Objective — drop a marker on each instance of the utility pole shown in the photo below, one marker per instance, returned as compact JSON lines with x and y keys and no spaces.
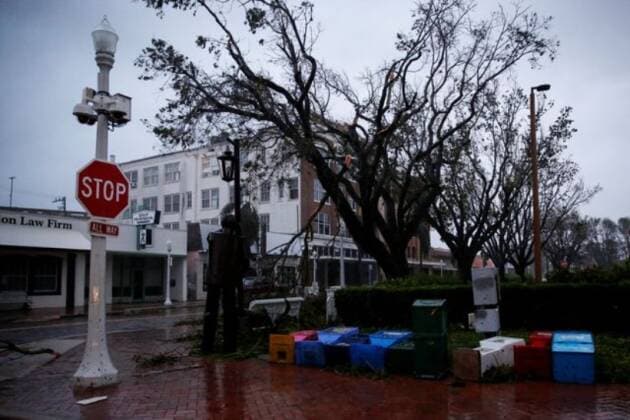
{"x":535,"y":186}
{"x":11,"y":192}
{"x":61,"y":200}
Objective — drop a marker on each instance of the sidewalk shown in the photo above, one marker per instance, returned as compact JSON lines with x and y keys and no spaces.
{"x":198,"y":388}
{"x":52,"y":314}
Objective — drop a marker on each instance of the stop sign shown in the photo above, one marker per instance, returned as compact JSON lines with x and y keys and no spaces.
{"x":102,"y":189}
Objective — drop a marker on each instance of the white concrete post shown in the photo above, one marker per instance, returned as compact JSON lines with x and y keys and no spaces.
{"x":169,"y":263}
{"x":96,"y":368}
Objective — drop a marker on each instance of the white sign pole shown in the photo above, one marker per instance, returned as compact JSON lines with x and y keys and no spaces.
{"x":96,"y":368}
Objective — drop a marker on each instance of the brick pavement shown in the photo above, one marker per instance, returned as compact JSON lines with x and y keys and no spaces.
{"x":257,"y":389}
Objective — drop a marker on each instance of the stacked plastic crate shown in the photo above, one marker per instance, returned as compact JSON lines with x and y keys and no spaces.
{"x":430,"y":329}
{"x":573,"y":355}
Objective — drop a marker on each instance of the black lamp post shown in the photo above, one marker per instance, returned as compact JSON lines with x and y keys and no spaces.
{"x":231,"y":170}
{"x":535,"y":200}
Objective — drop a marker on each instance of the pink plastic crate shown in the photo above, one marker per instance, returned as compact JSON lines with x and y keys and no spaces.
{"x":306,"y":335}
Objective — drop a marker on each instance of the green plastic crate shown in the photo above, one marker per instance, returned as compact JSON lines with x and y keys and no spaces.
{"x":431,"y":356}
{"x":399,"y":358}
{"x":429,"y":317}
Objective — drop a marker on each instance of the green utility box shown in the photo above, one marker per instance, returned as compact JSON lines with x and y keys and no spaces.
{"x":399,"y":358}
{"x":431,"y":356}
{"x":429,"y":317}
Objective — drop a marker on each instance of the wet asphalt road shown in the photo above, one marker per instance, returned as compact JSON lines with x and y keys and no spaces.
{"x":77,"y":327}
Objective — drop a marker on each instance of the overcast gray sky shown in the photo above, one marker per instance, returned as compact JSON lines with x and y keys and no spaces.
{"x":47,"y":58}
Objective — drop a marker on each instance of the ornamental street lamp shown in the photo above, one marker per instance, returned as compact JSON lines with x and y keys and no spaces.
{"x":535,"y":202}
{"x":96,"y":368}
{"x":231,"y":170}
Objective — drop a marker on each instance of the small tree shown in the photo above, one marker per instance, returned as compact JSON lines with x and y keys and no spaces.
{"x":480,"y":188}
{"x":561,"y":192}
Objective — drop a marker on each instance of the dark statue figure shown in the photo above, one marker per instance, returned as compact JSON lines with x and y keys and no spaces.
{"x":227,"y":262}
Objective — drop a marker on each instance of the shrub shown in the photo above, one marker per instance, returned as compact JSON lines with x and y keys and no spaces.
{"x":597,"y":307}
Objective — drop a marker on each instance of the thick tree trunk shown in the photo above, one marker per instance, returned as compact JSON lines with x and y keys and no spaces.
{"x":394,"y":265}
{"x":464,"y":266}
{"x":520,"y":271}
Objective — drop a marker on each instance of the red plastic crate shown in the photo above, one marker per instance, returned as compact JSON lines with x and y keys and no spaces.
{"x":540,"y":339}
{"x":532,"y":361}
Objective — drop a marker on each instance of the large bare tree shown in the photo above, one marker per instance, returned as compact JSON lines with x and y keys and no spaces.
{"x":405,"y":116}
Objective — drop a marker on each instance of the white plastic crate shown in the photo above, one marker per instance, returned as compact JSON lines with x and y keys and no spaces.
{"x":487,"y":320}
{"x":484,"y":285}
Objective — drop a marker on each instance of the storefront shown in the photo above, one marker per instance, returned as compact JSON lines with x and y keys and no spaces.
{"x":44,"y":260}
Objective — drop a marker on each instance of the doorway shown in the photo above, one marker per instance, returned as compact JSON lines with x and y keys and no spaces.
{"x":138,"y":285}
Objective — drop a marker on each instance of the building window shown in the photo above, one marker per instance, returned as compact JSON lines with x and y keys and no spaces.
{"x":205,"y":199}
{"x":189,"y":199}
{"x":132,"y":176}
{"x":150,"y":203}
{"x":214,"y":167}
{"x":322,"y":224}
{"x":294,"y":190}
{"x":265,"y":192}
{"x":214,"y":198}
{"x":150,"y":176}
{"x":171,"y":172}
{"x":280,"y":189}
{"x":38,"y":275}
{"x":131,"y":209}
{"x":171,"y":203}
{"x":264,"y":220}
{"x":209,"y":166}
{"x":172,"y":226}
{"x":205,"y":221}
{"x":214,"y":221}
{"x":318,"y":191}
{"x":205,"y":166}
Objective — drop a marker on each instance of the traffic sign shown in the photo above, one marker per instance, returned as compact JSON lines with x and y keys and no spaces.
{"x":99,"y":228}
{"x":102,"y":189}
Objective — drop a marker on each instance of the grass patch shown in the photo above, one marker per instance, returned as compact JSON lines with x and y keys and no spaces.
{"x":193,"y":322}
{"x":612,"y":358}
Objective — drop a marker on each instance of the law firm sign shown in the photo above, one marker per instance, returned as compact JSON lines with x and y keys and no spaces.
{"x":102,"y":189}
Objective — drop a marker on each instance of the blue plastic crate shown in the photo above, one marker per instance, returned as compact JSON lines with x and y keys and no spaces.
{"x":572,"y":337}
{"x":368,"y":356}
{"x":338,"y":353}
{"x":573,"y":362}
{"x":334,"y":334}
{"x":389,"y":338}
{"x":310,"y":353}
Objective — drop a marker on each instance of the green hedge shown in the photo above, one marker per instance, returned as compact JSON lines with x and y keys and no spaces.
{"x":597,"y":307}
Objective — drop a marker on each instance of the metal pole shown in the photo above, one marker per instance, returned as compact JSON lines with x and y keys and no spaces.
{"x":536,"y":208}
{"x":342,"y":263}
{"x":237,"y":183}
{"x":11,"y":192}
{"x":96,"y":368}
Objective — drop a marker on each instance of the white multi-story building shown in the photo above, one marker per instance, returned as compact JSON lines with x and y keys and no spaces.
{"x":186,"y":187}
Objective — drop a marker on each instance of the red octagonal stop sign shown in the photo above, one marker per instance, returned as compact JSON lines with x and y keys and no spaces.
{"x":102,"y":189}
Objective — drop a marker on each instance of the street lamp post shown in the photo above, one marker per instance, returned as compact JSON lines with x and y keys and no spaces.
{"x":11,"y":192}
{"x":169,"y":263}
{"x":96,"y":368}
{"x":231,"y":170}
{"x":314,"y":283}
{"x":535,"y":199}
